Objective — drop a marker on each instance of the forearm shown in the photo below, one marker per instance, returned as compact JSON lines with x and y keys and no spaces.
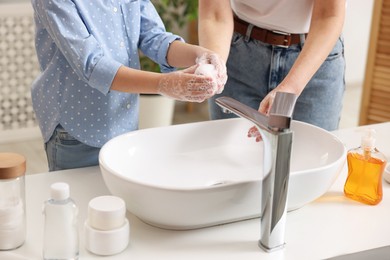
{"x":181,"y":85}
{"x":136,"y":81}
{"x":181,"y":55}
{"x":215,"y":28}
{"x":325,"y":29}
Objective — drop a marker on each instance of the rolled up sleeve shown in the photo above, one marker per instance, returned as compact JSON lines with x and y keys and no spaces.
{"x":103,"y":74}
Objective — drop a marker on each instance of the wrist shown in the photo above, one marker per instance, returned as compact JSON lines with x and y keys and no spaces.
{"x":291,"y":86}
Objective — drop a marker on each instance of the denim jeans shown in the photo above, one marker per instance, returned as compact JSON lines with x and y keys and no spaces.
{"x":65,"y":152}
{"x":255,"y":68}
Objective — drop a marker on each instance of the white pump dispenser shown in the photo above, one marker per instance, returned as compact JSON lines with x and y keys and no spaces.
{"x":368,"y":139}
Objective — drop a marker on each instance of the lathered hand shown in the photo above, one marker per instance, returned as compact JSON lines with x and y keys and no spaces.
{"x":184,"y":85}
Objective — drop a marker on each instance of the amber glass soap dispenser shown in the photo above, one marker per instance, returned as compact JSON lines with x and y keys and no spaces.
{"x":365,"y":168}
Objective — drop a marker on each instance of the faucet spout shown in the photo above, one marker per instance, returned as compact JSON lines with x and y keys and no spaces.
{"x":277,"y":140}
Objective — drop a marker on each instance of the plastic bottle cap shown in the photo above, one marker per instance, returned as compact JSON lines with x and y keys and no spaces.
{"x":12,"y":165}
{"x":59,"y":191}
{"x":106,"y":212}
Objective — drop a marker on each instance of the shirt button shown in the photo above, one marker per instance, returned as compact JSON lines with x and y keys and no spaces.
{"x":115,"y":9}
{"x":128,"y":106}
{"x":122,"y":44}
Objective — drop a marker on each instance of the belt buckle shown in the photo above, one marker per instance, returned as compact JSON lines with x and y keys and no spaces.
{"x":285,"y":39}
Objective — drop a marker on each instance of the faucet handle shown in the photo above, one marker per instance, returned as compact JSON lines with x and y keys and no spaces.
{"x":281,"y":111}
{"x":283,"y":104}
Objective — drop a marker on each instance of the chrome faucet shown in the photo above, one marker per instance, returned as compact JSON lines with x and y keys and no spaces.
{"x":277,"y":138}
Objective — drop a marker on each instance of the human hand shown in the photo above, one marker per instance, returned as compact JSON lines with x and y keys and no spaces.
{"x":219,"y":68}
{"x":254,"y":132}
{"x":184,"y":85}
{"x":264,"y":108}
{"x":266,"y":103}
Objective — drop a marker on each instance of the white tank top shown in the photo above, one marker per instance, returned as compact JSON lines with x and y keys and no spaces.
{"x":292,"y":16}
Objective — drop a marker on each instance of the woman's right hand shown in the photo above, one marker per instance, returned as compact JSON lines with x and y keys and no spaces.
{"x":184,"y":85}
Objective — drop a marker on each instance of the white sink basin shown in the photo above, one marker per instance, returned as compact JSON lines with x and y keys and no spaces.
{"x":202,"y":174}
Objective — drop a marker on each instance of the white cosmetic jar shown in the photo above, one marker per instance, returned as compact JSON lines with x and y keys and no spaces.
{"x":106,"y":230}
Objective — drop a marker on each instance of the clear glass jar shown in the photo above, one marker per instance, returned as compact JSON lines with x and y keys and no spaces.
{"x":12,"y":201}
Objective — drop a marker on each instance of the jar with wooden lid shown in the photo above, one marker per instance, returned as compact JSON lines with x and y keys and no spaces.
{"x":12,"y":201}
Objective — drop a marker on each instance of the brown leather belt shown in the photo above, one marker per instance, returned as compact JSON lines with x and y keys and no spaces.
{"x":277,"y":38}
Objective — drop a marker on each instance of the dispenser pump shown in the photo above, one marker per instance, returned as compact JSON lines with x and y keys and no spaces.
{"x":368,"y":139}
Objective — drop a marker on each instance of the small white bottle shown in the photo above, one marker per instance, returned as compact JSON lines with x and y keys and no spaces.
{"x":61,"y":240}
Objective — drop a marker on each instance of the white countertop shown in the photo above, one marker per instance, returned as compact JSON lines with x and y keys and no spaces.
{"x":332,"y":225}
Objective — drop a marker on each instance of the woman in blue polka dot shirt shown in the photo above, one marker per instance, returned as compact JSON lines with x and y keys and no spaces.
{"x":88,"y":89}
